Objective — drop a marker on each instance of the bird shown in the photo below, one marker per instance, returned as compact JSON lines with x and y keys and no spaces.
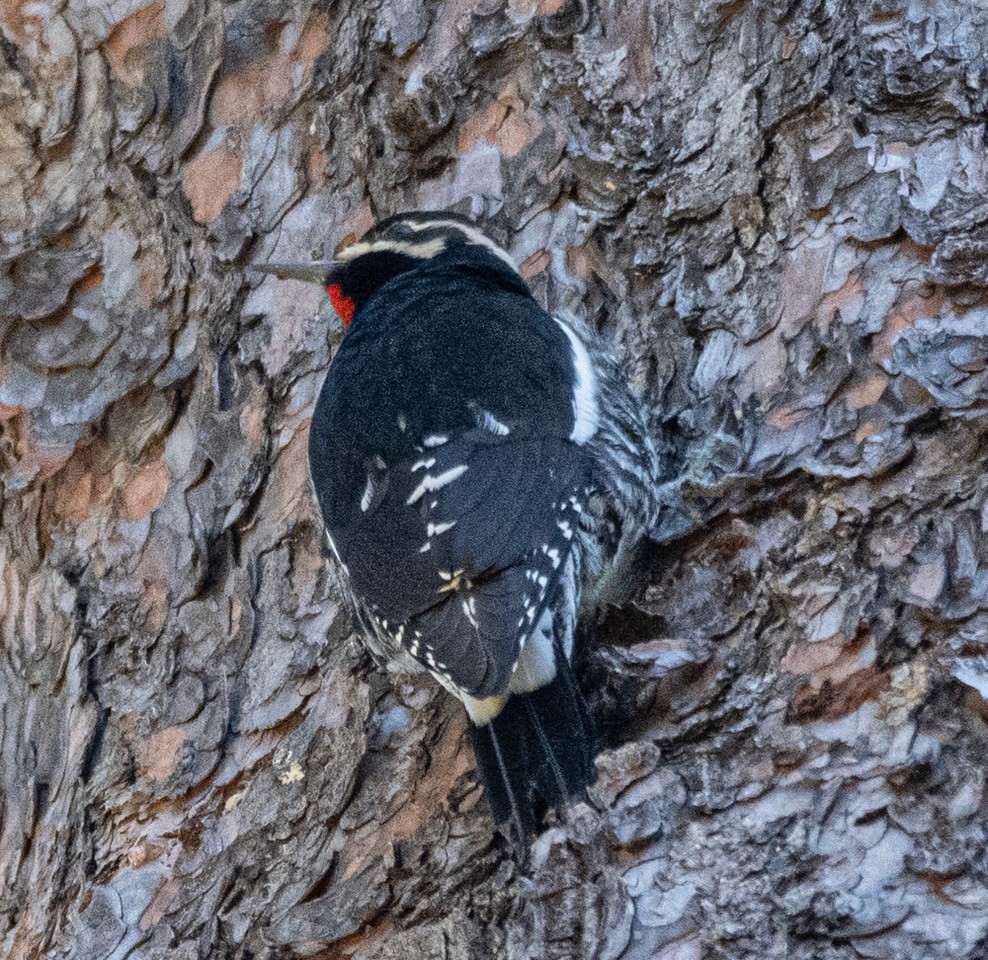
{"x":484,"y":472}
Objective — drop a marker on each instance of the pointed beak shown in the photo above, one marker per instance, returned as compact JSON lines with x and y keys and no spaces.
{"x":321,"y":273}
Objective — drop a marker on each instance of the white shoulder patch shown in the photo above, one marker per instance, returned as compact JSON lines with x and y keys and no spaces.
{"x":586,"y":415}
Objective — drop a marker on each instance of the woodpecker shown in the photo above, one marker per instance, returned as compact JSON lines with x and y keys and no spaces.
{"x":484,"y":471}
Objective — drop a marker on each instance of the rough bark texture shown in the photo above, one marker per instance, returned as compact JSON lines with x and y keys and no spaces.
{"x":776,"y":209}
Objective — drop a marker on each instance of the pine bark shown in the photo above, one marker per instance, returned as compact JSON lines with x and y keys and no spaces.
{"x":776,"y":212}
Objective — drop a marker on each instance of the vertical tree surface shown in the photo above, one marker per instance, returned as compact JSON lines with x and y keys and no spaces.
{"x":776,"y":210}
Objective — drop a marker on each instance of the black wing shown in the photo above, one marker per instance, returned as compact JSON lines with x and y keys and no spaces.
{"x":441,"y":456}
{"x":463,"y":550}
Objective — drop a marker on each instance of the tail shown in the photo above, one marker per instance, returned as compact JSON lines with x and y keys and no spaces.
{"x":538,"y":751}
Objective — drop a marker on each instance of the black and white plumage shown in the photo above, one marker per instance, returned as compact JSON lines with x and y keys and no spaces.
{"x":480,"y":466}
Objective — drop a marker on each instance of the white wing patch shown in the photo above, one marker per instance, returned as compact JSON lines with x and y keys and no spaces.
{"x":430,"y":482}
{"x":365,"y":500}
{"x":489,"y":422}
{"x":470,"y":612}
{"x":586,"y":415}
{"x":336,"y":553}
{"x":433,"y":528}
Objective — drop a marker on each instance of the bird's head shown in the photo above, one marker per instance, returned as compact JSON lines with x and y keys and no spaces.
{"x":398,"y":245}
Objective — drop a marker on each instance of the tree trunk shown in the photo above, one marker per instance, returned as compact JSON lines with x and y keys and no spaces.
{"x":777,"y":212}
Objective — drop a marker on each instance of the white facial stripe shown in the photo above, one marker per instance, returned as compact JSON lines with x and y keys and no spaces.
{"x":586,"y":416}
{"x":472,"y":235}
{"x":422,"y":251}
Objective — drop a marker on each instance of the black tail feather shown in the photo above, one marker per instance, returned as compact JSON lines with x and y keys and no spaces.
{"x":537,"y":752}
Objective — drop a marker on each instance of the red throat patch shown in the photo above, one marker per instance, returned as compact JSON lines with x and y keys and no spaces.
{"x":344,"y":306}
